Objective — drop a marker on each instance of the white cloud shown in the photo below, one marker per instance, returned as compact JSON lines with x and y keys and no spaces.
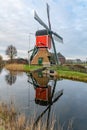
{"x":68,"y":19}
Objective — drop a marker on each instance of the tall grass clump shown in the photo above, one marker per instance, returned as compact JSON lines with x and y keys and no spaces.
{"x":15,"y":67}
{"x":11,"y":120}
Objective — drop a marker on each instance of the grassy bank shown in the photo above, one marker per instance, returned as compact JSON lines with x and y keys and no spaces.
{"x":31,"y":68}
{"x":21,"y":67}
{"x":69,"y":72}
{"x":72,"y":75}
{"x":66,"y":72}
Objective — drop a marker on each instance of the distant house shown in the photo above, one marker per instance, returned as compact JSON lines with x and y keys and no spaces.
{"x":61,"y":58}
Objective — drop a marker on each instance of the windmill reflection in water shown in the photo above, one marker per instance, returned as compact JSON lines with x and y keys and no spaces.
{"x":45,"y":94}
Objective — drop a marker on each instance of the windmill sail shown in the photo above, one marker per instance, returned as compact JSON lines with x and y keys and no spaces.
{"x":40,"y":21}
{"x":56,"y":58}
{"x":48,"y":15}
{"x":57,"y":37}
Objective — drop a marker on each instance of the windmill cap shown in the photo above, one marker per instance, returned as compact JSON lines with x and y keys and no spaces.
{"x":42,"y":32}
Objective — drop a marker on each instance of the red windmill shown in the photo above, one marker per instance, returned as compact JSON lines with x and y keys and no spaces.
{"x":44,"y":38}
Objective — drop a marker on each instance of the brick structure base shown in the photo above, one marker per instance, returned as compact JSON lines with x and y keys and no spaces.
{"x":42,"y":54}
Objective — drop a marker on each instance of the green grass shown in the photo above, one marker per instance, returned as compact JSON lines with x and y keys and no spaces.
{"x":65,"y":72}
{"x":31,"y":67}
{"x":74,"y":72}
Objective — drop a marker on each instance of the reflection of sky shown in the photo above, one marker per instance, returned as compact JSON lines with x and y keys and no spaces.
{"x":72,"y":104}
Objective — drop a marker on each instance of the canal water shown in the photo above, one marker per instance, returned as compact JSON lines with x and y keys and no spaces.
{"x":46,"y":97}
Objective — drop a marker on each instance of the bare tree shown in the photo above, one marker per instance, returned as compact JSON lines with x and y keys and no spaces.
{"x":0,"y":59}
{"x":11,"y":51}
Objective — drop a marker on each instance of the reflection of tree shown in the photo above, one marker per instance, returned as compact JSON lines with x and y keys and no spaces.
{"x":1,"y":69}
{"x":1,"y":63}
{"x":10,"y":78}
{"x":52,"y":96}
{"x":1,"y":59}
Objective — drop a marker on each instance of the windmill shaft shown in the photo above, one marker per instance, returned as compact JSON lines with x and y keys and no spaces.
{"x":55,"y":50}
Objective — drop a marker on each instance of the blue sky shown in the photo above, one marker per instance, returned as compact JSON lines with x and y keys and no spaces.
{"x":68,"y":19}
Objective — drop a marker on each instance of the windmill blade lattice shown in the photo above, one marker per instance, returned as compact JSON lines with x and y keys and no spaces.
{"x":40,"y":21}
{"x":57,"y":37}
{"x":48,"y":15}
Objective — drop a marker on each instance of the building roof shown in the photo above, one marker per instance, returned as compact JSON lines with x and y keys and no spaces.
{"x":60,"y":55}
